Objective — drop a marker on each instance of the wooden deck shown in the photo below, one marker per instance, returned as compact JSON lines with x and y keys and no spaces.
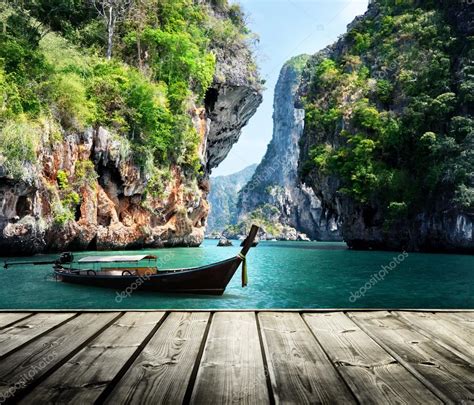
{"x":237,"y":357}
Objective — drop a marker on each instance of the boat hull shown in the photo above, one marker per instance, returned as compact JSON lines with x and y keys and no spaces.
{"x":210,"y":280}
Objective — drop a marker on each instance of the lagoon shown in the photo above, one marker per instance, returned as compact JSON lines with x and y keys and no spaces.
{"x":281,"y":275}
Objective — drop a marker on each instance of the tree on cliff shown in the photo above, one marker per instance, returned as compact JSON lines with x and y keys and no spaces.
{"x":389,"y":125}
{"x":112,"y":11}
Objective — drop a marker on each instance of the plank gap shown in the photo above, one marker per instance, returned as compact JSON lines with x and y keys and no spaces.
{"x":194,"y":372}
{"x":444,"y":398}
{"x":444,"y":341}
{"x":13,"y":322}
{"x":266,"y":366}
{"x":21,"y":393}
{"x":231,"y":368}
{"x":38,"y":336}
{"x":329,"y":359}
{"x":110,"y":387}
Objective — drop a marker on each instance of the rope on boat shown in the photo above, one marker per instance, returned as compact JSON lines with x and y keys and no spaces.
{"x":244,"y":270}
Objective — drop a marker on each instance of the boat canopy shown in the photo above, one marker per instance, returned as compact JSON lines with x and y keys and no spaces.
{"x":115,"y":259}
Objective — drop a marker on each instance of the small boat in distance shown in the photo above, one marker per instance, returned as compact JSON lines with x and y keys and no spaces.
{"x":141,"y":271}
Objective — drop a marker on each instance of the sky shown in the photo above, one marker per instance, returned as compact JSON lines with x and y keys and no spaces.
{"x":286,"y":28}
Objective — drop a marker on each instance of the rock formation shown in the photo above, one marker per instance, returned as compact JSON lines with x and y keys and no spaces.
{"x":396,"y":88}
{"x":275,"y":183}
{"x":113,"y":209}
{"x":223,"y":198}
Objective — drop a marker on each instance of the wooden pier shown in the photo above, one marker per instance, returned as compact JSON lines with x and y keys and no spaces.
{"x":237,"y":357}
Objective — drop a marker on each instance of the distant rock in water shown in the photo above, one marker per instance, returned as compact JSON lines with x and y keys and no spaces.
{"x":275,"y":198}
{"x":223,"y":242}
{"x":388,"y":145}
{"x":303,"y":238}
{"x":223,"y":197}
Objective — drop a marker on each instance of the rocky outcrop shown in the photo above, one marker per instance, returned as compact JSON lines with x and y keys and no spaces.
{"x":86,"y":192}
{"x":223,"y":242}
{"x":439,"y":222}
{"x":270,"y":229}
{"x":232,"y":100}
{"x":276,"y":182}
{"x":228,"y":109}
{"x":113,"y":211}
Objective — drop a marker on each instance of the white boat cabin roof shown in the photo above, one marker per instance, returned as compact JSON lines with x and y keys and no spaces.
{"x":115,"y":259}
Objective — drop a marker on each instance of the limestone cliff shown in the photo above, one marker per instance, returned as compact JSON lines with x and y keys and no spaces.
{"x":388,"y":140}
{"x":275,"y":183}
{"x":94,"y":172}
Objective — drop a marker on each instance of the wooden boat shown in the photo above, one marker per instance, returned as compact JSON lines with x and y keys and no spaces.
{"x":141,"y":273}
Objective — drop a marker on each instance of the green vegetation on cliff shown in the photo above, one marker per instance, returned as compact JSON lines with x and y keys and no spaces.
{"x":55,"y":77}
{"x":390,"y":112}
{"x":265,"y":216}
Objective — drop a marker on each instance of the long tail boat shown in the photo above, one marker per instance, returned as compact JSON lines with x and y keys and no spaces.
{"x":141,"y":272}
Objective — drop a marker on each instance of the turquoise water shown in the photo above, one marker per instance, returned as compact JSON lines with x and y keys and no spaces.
{"x":281,"y":275}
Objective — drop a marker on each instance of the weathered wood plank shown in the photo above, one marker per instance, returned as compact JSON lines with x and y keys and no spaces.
{"x":161,"y":373}
{"x":373,"y":375}
{"x":448,"y":333}
{"x":447,"y":375}
{"x":232,"y":369}
{"x":83,"y":378}
{"x":466,"y":318}
{"x":6,"y":319}
{"x":22,"y":368}
{"x":468,"y":315}
{"x":26,"y":330}
{"x":299,"y":370}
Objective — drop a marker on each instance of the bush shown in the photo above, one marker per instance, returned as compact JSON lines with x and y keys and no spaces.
{"x":178,"y":61}
{"x":321,"y":155}
{"x":327,"y":73}
{"x":157,"y":182}
{"x":12,"y":104}
{"x":465,"y":197}
{"x":134,"y":107}
{"x":384,"y":91}
{"x":64,"y":208}
{"x":19,"y":142}
{"x":366,"y":116}
{"x":61,"y":178}
{"x":61,"y":214}
{"x":69,"y":101}
{"x":361,"y":42}
{"x":85,"y":174}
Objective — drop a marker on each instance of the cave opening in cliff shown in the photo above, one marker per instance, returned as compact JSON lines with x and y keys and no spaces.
{"x":210,"y":99}
{"x":23,"y":206}
{"x":104,"y":220}
{"x":369,"y":216}
{"x":77,"y":213}
{"x":92,"y":244}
